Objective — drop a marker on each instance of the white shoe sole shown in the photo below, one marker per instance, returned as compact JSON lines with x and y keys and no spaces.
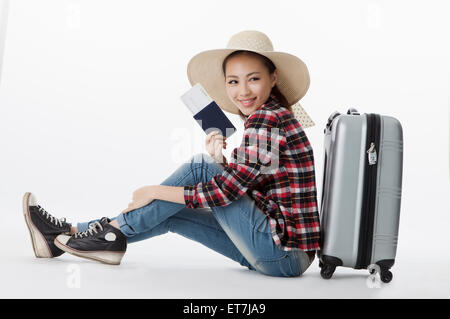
{"x":106,"y":257}
{"x":40,"y":245}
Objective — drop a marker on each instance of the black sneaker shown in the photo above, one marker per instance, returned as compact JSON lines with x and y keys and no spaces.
{"x":101,"y":242}
{"x":43,"y":227}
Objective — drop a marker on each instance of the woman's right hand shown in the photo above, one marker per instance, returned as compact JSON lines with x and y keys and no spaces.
{"x":214,"y":143}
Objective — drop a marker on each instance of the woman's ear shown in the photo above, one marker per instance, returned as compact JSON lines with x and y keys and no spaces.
{"x":274,"y":77}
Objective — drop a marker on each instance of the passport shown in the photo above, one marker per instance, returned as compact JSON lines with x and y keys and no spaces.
{"x":206,"y":112}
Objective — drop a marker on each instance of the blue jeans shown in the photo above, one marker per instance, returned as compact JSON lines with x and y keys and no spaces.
{"x":240,"y":230}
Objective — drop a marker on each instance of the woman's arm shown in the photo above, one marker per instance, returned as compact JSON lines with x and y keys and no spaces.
{"x":169,"y":193}
{"x":248,"y":161}
{"x":147,"y":194}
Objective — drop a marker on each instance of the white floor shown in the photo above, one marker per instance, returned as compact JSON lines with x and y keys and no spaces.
{"x":171,"y":266}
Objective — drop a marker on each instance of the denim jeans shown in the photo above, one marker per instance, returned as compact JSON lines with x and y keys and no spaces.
{"x":240,"y":230}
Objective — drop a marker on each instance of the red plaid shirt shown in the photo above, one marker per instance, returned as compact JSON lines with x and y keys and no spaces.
{"x":274,"y":165}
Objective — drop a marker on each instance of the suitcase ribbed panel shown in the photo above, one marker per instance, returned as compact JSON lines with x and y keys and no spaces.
{"x":389,"y":190}
{"x":385,"y":239}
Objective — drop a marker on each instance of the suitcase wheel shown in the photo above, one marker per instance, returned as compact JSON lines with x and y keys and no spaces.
{"x":327,"y":271}
{"x":384,"y":266}
{"x":386,"y":276}
{"x":328,"y":265}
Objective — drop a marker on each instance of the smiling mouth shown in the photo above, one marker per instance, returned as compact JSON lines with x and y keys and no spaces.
{"x":247,"y":102}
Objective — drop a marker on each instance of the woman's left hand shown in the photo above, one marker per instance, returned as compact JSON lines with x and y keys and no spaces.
{"x":141,"y":197}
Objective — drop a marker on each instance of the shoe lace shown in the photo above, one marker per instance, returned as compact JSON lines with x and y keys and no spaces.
{"x":58,"y":222}
{"x":93,"y":228}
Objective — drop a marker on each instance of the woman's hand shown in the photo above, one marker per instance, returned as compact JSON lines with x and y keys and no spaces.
{"x":214,"y":143}
{"x":141,"y":197}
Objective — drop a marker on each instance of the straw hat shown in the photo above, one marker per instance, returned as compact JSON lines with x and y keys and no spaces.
{"x":293,"y":76}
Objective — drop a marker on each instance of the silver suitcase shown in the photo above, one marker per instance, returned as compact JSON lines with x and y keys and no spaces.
{"x":361,"y":193}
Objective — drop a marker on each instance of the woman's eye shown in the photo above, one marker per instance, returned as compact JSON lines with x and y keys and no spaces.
{"x":231,"y":82}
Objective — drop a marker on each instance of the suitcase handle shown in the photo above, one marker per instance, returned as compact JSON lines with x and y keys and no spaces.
{"x":352,"y":111}
{"x":330,"y":120}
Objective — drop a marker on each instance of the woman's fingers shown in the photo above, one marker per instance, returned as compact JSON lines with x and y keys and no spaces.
{"x":219,"y":138}
{"x":213,"y":137}
{"x":215,"y":134}
{"x":209,"y":142}
{"x":210,"y":135}
{"x":218,"y":143}
{"x":215,"y":142}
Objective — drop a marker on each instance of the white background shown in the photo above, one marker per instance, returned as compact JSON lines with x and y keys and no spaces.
{"x":90,"y":110}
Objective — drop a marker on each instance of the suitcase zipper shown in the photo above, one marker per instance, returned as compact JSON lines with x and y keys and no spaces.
{"x":370,"y":185}
{"x":372,"y":157}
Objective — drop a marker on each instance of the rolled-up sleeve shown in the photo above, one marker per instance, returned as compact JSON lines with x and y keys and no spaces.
{"x":262,"y":144}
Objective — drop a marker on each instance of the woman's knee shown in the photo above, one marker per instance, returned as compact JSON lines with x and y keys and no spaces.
{"x":201,"y":158}
{"x":206,"y":164}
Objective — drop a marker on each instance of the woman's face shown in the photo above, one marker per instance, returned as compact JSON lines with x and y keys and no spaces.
{"x":248,"y":82}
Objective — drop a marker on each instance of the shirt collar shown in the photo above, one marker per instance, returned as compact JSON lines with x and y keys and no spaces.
{"x":272,"y":103}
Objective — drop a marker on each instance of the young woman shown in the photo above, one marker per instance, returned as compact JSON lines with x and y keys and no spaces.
{"x":259,"y":209}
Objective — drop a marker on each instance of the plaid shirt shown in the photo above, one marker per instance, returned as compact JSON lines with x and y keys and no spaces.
{"x":274,"y":165}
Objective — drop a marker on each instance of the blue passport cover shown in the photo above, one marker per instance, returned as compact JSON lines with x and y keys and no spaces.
{"x":212,"y":117}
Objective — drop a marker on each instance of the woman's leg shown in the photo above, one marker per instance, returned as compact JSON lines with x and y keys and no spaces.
{"x":197,"y":224}
{"x":245,"y":225}
{"x":249,"y":229}
{"x":149,"y":216}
